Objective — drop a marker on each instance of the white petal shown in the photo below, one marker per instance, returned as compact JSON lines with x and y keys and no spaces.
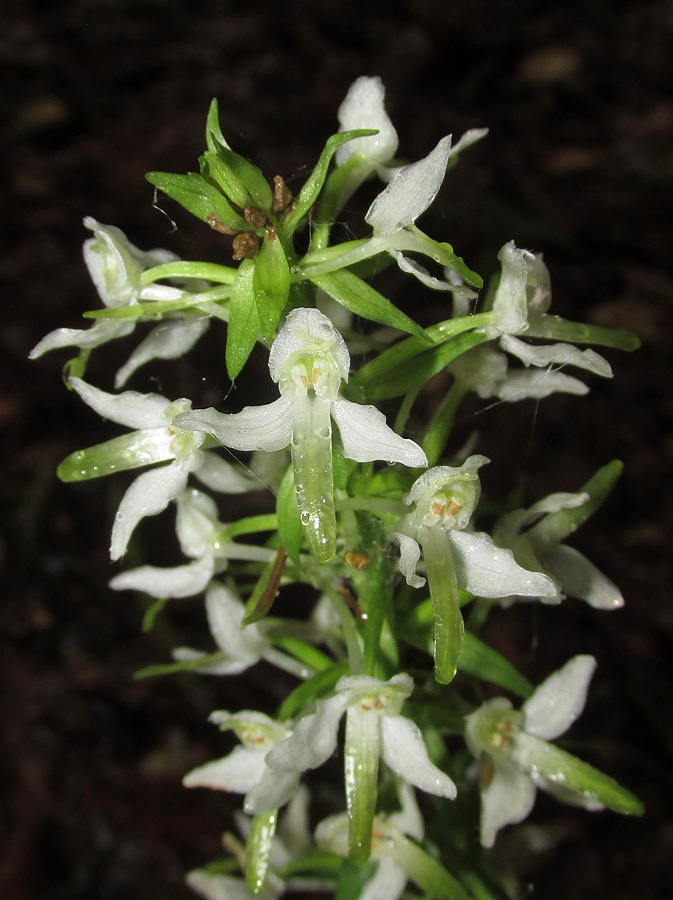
{"x":197,"y":524}
{"x":103,"y":331}
{"x":129,"y":408}
{"x":538,"y":385}
{"x":560,"y":699}
{"x":410,"y":553}
{"x":509,"y":303}
{"x":167,"y":341}
{"x":220,"y":887}
{"x":274,"y":789}
{"x":239,"y":772}
{"x":403,"y":750}
{"x":219,"y":667}
{"x":411,"y":267}
{"x":149,"y":494}
{"x":365,"y":436}
{"x":387,"y":882}
{"x":180,"y":581}
{"x":409,"y":820}
{"x":225,"y":615}
{"x":254,"y":428}
{"x":490,"y":571}
{"x":111,"y":264}
{"x":313,"y":740}
{"x":307,"y":330}
{"x":219,"y":475}
{"x":471,"y":136}
{"x":559,"y":354}
{"x":410,"y":192}
{"x":508,"y":799}
{"x":580,"y":578}
{"x":363,"y":107}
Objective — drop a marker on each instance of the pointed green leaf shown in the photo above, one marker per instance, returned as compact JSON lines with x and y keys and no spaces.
{"x":312,"y":187}
{"x":290,"y":529}
{"x":198,"y":197}
{"x":214,"y":136}
{"x":362,"y":299}
{"x":425,"y":871}
{"x":244,"y":325}
{"x":558,"y":329}
{"x":271,"y":283}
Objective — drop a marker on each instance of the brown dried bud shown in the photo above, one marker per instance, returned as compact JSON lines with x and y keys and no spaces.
{"x":282,"y":195}
{"x":245,"y":245}
{"x":356,"y":560}
{"x":255,"y":216}
{"x":218,"y":225}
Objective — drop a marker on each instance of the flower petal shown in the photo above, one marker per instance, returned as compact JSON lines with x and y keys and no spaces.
{"x":508,"y":799}
{"x":307,"y":330}
{"x":410,"y":553}
{"x":222,"y":887}
{"x":521,"y":385}
{"x":560,"y":699}
{"x":225,"y":614}
{"x":490,"y":571}
{"x":254,"y":428}
{"x":365,"y":436}
{"x":363,"y":107}
{"x":111,"y":263}
{"x":149,"y":494}
{"x":314,"y":738}
{"x":388,"y":881}
{"x":411,"y":267}
{"x":580,"y":578}
{"x":219,"y":475}
{"x":167,"y":341}
{"x":129,"y":408}
{"x":509,"y":304}
{"x":165,"y":583}
{"x":103,"y":331}
{"x":274,"y":789}
{"x":410,"y":192}
{"x":403,"y":750}
{"x":559,"y":354}
{"x":239,"y":772}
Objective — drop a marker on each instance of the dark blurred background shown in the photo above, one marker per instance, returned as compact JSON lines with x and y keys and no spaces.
{"x":578,"y":164}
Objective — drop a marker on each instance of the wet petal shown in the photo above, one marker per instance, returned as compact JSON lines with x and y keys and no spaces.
{"x":509,"y":798}
{"x":410,"y":553}
{"x":560,"y":699}
{"x":314,"y":738}
{"x":404,"y":751}
{"x":225,"y":616}
{"x":558,"y":354}
{"x":179,"y":581}
{"x":363,"y":107}
{"x":366,"y":436}
{"x":129,"y":408}
{"x":580,"y":578}
{"x":239,"y":772}
{"x":490,"y":571}
{"x":169,"y":340}
{"x":219,"y":475}
{"x":103,"y":331}
{"x":254,"y":428}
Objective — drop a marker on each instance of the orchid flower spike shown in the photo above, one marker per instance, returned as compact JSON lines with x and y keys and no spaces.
{"x":156,"y":440}
{"x":445,"y":499}
{"x":374,"y":727}
{"x":116,"y":266}
{"x":309,"y":360}
{"x":517,"y":758}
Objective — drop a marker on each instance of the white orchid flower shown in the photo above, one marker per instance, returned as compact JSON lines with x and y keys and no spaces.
{"x":309,"y":360}
{"x":115,"y":266}
{"x":517,"y":757}
{"x":536,"y":543}
{"x":201,"y":537}
{"x":244,"y":770}
{"x":520,"y":305}
{"x":156,"y":440}
{"x":445,"y":498}
{"x":374,"y":728}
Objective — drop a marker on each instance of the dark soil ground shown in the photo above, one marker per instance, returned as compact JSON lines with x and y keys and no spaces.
{"x":579,"y":164}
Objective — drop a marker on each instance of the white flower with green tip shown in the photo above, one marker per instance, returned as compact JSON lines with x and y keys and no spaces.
{"x":375,"y":729}
{"x":115,"y":266}
{"x":309,"y":360}
{"x":157,"y":440}
{"x":517,"y":757}
{"x":200,"y":534}
{"x":445,"y":498}
{"x":244,"y":770}
{"x":521,"y":302}
{"x":531,"y":536}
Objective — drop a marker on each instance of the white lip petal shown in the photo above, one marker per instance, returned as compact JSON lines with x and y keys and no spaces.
{"x":558,"y":354}
{"x":560,"y":699}
{"x":129,"y":408}
{"x":149,"y":494}
{"x":404,"y":751}
{"x":410,"y":192}
{"x":508,"y":799}
{"x":366,"y":436}
{"x":266,"y":427}
{"x":313,"y":740}
{"x":580,"y":578}
{"x":103,"y":331}
{"x":179,"y":581}
{"x":490,"y":571}
{"x":169,"y":340}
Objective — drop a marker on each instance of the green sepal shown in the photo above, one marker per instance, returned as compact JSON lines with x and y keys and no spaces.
{"x":311,"y":689}
{"x":558,"y":329}
{"x":76,"y":367}
{"x":214,"y":137}
{"x":362,"y":299}
{"x":198,"y":197}
{"x":128,"y":451}
{"x":305,"y":653}
{"x":290,"y":529}
{"x":312,"y":187}
{"x":258,"y":849}
{"x":184,"y":665}
{"x":244,"y":324}
{"x":152,"y":612}
{"x":573,"y":774}
{"x":557,"y":526}
{"x":271,"y":283}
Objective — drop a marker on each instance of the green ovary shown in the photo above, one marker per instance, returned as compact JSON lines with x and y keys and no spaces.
{"x":312,"y":462}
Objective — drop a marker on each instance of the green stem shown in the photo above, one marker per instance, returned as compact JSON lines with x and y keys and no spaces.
{"x":350,"y":632}
{"x":185,"y":269}
{"x":439,"y":429}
